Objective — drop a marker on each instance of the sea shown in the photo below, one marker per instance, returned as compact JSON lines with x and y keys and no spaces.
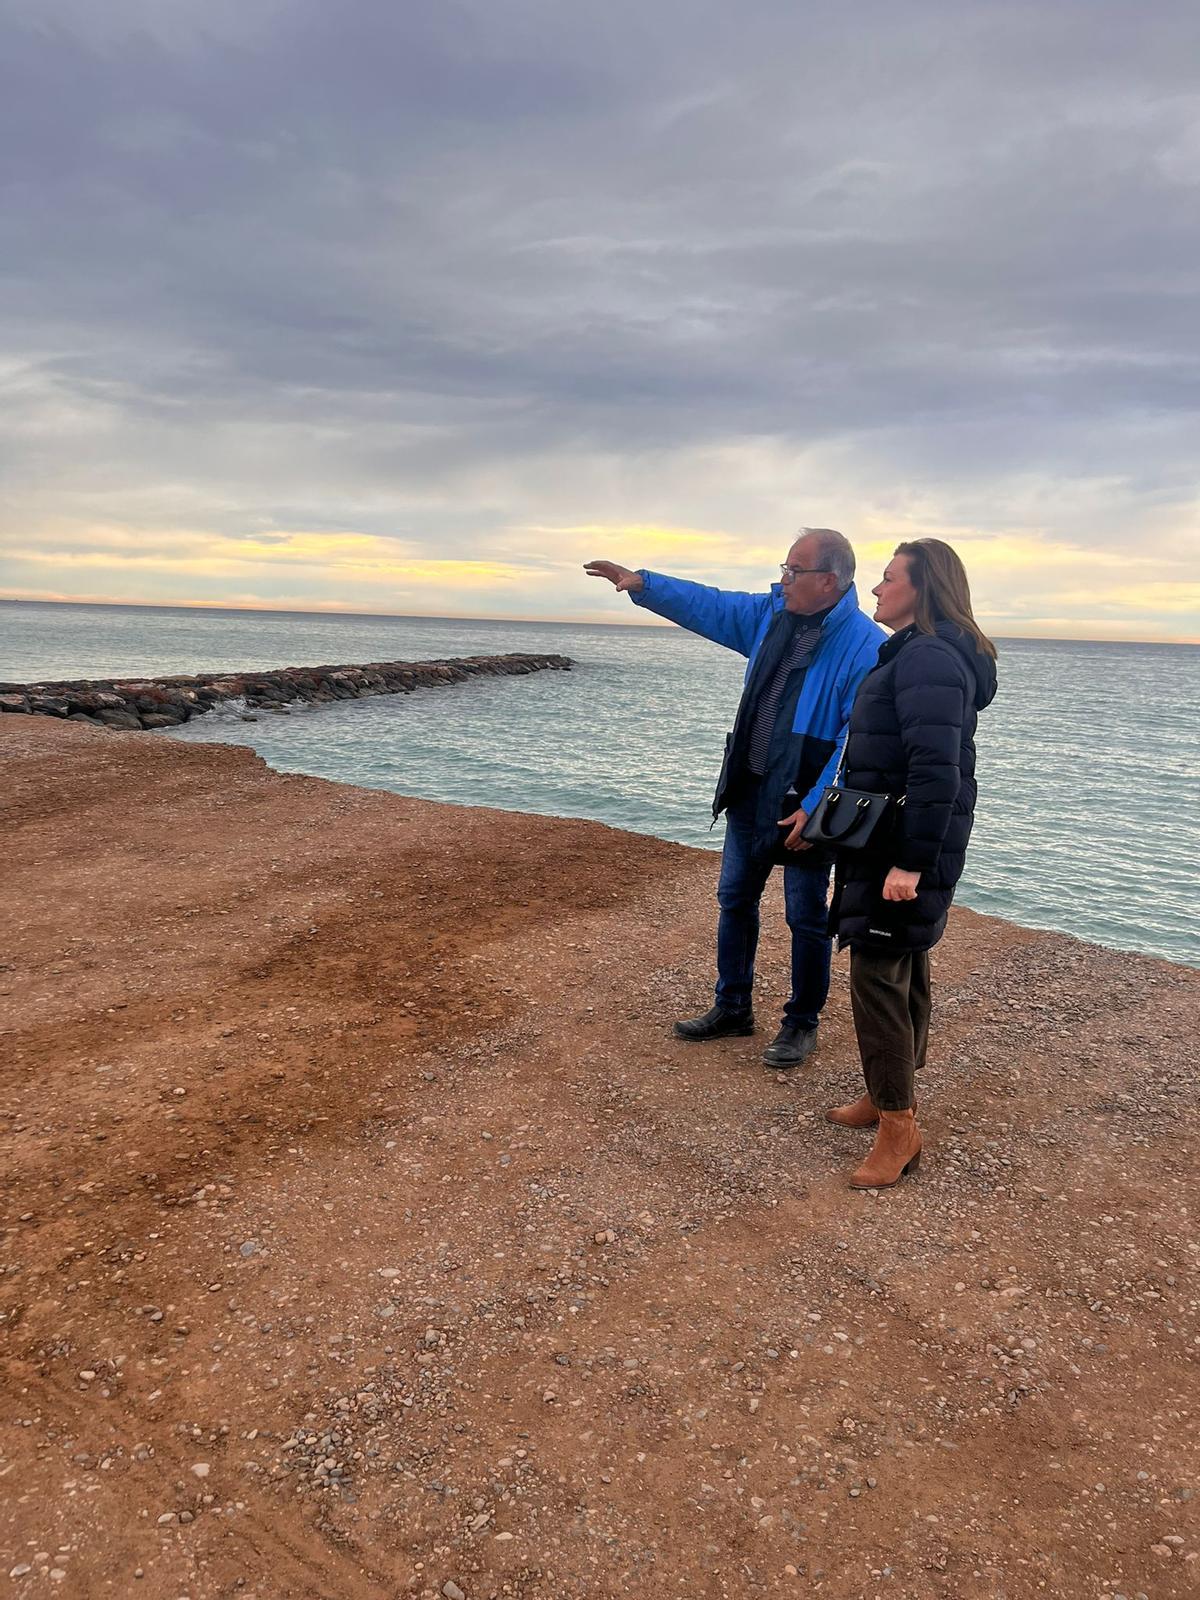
{"x":1089,"y":783}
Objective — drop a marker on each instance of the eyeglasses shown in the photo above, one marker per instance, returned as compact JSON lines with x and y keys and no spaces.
{"x":790,"y":574}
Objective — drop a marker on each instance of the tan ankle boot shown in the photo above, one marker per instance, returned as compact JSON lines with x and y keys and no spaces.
{"x":897,"y":1150}
{"x":860,"y":1114}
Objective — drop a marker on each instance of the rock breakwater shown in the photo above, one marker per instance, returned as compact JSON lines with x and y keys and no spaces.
{"x":136,"y":703}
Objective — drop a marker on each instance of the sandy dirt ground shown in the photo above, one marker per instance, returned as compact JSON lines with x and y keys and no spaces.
{"x":366,"y":1235}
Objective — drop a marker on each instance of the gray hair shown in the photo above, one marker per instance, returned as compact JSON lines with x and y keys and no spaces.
{"x":835,"y":553}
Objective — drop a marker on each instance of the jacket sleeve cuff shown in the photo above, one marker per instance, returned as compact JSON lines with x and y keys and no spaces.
{"x":909,"y":859}
{"x":643,"y":594}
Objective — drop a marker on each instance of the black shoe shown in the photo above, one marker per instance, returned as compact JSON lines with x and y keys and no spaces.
{"x":716,"y":1024}
{"x":792,"y":1045}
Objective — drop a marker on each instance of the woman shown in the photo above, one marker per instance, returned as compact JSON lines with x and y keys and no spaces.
{"x":912,"y":733}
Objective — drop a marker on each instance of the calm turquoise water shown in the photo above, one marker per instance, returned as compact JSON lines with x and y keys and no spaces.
{"x":1089,"y":818}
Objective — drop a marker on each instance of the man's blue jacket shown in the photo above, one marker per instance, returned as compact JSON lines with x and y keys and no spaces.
{"x":805,"y":747}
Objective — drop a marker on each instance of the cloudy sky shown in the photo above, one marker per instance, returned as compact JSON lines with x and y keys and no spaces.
{"x":415,"y":305}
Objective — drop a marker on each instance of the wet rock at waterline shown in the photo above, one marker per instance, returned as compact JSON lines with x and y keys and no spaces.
{"x":166,"y":702}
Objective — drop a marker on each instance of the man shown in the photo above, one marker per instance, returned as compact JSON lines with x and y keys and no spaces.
{"x":809,"y":648}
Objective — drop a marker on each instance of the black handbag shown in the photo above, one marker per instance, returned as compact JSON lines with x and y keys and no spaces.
{"x":852,"y":819}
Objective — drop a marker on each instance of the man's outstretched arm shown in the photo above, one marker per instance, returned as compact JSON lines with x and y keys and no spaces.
{"x":722,"y":615}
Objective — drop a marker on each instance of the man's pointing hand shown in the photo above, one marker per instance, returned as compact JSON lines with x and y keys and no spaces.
{"x":622,"y":580}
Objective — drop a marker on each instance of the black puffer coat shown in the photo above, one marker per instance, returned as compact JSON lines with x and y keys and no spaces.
{"x":912,"y":732}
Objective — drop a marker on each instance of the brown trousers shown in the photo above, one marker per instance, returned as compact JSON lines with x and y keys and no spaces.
{"x":889,"y":995}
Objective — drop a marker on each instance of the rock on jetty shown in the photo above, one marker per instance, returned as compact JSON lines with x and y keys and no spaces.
{"x":166,"y":702}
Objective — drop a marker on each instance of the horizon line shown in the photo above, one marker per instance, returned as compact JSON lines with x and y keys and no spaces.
{"x":464,"y":616}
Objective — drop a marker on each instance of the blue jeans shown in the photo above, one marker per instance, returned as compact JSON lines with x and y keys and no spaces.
{"x":746,"y":863}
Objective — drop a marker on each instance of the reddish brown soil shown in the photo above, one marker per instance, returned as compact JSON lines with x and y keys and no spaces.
{"x":347,"y":1156}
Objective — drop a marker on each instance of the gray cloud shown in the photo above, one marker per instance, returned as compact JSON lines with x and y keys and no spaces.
{"x":444,"y":270}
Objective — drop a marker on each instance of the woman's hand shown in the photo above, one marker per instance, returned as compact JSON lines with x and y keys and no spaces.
{"x":901,"y":885}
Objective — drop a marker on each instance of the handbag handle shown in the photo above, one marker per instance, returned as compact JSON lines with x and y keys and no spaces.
{"x":844,"y":818}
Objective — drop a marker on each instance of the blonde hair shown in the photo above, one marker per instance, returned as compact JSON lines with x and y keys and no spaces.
{"x":943,"y":593}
